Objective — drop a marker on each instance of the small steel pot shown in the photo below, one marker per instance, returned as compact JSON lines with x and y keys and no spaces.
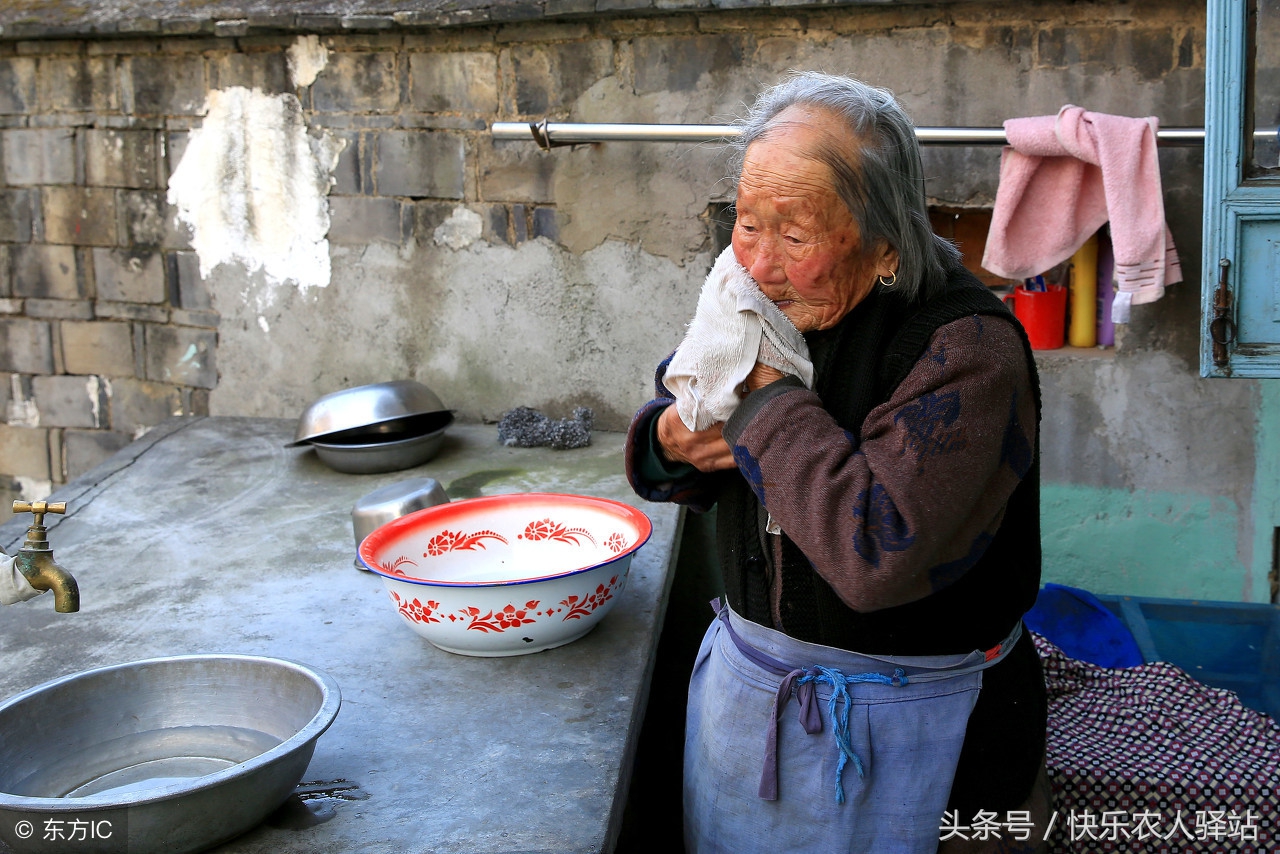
{"x":391,"y":502}
{"x":367,"y":455}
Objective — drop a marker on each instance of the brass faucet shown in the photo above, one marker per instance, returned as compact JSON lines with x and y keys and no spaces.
{"x":35,"y":559}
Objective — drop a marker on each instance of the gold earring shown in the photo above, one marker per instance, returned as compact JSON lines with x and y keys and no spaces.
{"x":890,"y":282}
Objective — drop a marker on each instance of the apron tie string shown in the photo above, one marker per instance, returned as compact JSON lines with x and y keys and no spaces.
{"x":802,"y":683}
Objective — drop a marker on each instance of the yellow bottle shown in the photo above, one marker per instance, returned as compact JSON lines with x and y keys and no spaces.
{"x":1083,"y":331}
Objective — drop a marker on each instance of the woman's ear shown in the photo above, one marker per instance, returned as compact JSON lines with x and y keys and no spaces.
{"x":887,"y":261}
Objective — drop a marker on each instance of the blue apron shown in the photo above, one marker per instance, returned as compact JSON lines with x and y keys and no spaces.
{"x":866,"y":765}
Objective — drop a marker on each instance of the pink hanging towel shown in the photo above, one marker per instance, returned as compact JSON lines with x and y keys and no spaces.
{"x":1061,"y":178}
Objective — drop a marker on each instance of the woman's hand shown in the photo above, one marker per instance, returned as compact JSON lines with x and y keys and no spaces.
{"x":761,"y":375}
{"x":706,"y":450}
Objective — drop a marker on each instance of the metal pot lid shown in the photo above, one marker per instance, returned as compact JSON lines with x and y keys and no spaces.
{"x":396,"y":404}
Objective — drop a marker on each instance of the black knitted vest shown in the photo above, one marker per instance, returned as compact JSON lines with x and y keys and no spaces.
{"x":858,"y":364}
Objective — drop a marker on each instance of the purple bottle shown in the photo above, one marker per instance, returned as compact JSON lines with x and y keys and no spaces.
{"x":1106,"y":289}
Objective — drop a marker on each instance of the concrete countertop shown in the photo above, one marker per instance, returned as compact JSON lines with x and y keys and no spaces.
{"x":209,"y":535}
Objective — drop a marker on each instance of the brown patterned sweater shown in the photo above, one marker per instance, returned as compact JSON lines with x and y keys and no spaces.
{"x":897,"y":515}
{"x":900,"y":512}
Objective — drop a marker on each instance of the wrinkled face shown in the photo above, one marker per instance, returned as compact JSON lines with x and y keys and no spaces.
{"x":793,"y":233}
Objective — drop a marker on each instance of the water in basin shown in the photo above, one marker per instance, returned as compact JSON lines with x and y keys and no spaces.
{"x":146,"y":760}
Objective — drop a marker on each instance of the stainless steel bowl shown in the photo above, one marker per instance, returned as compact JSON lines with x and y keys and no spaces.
{"x":369,"y":409}
{"x":390,"y":503}
{"x":178,"y":754}
{"x":362,"y":456}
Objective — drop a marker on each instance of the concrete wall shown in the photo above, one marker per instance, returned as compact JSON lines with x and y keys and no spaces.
{"x":237,"y":225}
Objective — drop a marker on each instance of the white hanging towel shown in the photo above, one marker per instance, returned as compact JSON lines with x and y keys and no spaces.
{"x":734,"y":326}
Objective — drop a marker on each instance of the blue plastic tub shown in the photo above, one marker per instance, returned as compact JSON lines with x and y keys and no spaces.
{"x":1230,"y":645}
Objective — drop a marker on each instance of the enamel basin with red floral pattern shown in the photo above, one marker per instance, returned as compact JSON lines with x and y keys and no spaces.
{"x":507,"y":574}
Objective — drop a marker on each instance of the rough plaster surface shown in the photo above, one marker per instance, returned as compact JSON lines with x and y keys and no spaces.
{"x":487,"y":327}
{"x":252,"y":187}
{"x":1141,"y":461}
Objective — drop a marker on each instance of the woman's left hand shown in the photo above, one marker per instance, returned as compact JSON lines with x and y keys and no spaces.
{"x":761,"y":375}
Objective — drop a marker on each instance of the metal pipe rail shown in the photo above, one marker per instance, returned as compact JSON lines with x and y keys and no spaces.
{"x":550,"y":135}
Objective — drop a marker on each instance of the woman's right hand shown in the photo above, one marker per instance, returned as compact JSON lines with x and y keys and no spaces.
{"x":706,"y":450}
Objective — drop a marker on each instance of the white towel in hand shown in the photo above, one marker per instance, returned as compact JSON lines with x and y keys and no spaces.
{"x":734,"y":327}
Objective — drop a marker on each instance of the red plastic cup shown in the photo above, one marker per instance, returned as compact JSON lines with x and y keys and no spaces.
{"x":1042,"y":313}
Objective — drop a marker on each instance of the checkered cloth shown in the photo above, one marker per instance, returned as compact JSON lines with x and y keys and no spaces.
{"x":1147,"y":759}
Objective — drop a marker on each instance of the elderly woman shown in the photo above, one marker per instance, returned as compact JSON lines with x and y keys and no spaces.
{"x":864,"y":687}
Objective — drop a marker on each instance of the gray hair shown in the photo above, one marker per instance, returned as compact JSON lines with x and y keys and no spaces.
{"x":881,"y":180}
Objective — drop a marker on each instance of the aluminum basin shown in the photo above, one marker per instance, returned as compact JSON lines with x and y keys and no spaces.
{"x":173,"y":754}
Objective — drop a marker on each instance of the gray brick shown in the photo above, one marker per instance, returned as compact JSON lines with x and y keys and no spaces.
{"x":231,"y":28}
{"x":121,"y":158}
{"x":437,"y":121}
{"x":46,"y":272}
{"x":136,"y":404}
{"x":78,"y":84}
{"x":70,"y":401}
{"x":570,"y":7}
{"x":428,"y":216}
{"x":546,"y":223}
{"x":11,"y":306}
{"x":102,"y":347}
{"x":355,"y":220}
{"x":26,"y":346}
{"x":185,"y":26}
{"x":420,"y":163}
{"x":676,"y":63}
{"x":82,"y":216}
{"x":347,"y":174}
{"x":205,"y":319}
{"x":519,"y":223}
{"x":182,"y":355}
{"x":195,"y":401}
{"x":44,"y":156}
{"x":496,"y":225}
{"x":186,"y":282}
{"x":175,"y":144}
{"x":6,"y":277}
{"x":351,"y":42}
{"x":85,"y":449}
{"x":147,"y":220}
{"x":454,"y":82}
{"x":358,"y":83}
{"x":131,"y":311}
{"x":511,"y":172}
{"x":551,"y":76}
{"x":265,"y":71}
{"x":6,"y":394}
{"x":59,"y":309}
{"x":124,"y":276}
{"x":17,"y":84}
{"x":166,"y":85}
{"x":19,"y":408}
{"x":15,"y":216}
{"x":24,"y":452}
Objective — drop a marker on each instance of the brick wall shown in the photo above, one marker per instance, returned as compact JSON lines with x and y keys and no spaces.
{"x":96,"y":329}
{"x":107,"y":325}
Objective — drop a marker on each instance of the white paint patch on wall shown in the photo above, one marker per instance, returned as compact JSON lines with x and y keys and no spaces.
{"x":253,"y":187}
{"x":306,"y":58}
{"x":93,"y":388}
{"x":460,"y":230}
{"x":21,"y":411}
{"x":33,"y":488}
